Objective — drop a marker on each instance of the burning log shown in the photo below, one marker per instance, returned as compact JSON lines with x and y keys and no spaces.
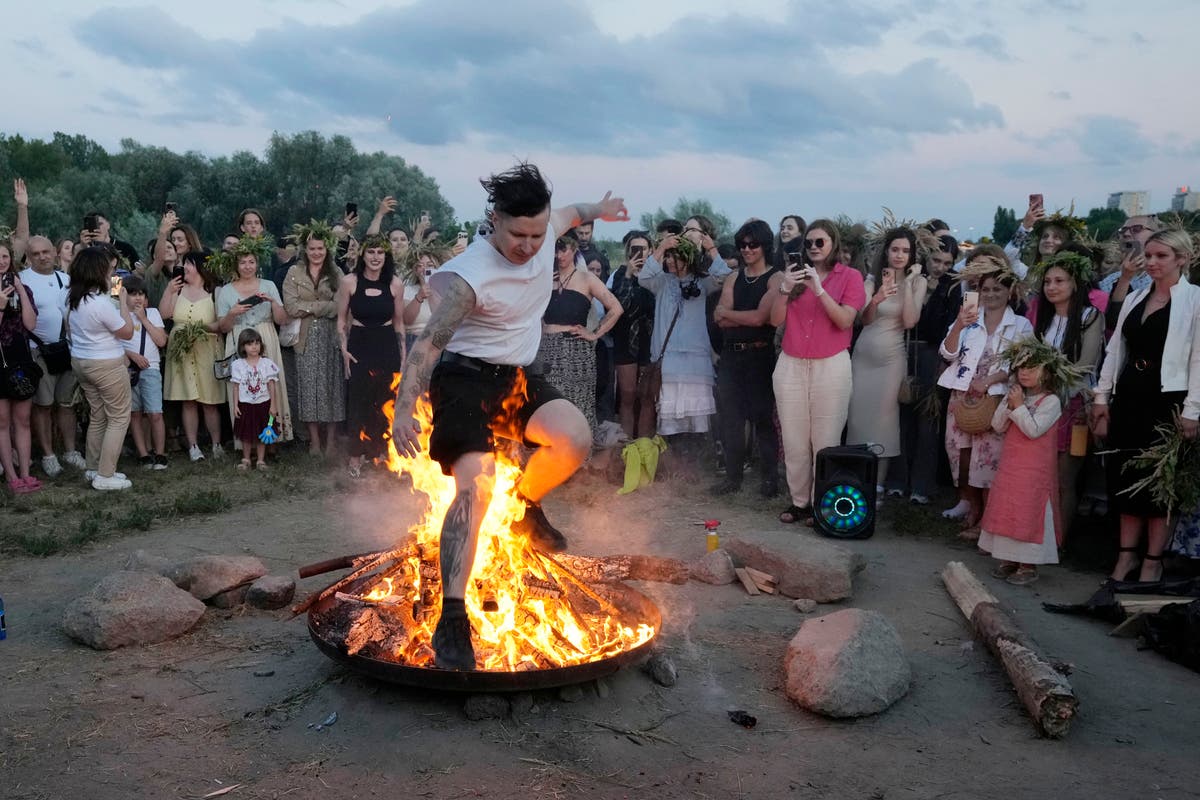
{"x":1044,"y":692}
{"x":541,"y":588}
{"x":363,"y":564}
{"x":611,"y":569}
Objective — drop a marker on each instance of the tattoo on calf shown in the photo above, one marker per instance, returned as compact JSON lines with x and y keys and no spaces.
{"x":456,"y":528}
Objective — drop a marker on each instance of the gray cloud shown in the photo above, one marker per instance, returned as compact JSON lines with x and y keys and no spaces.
{"x":1061,"y":94}
{"x":986,"y":44}
{"x":734,"y":84}
{"x":1112,"y":140}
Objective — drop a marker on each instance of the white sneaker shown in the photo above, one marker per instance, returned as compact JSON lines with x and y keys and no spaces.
{"x":194,"y":453}
{"x":958,"y":512}
{"x":91,"y":474}
{"x":919,"y":499}
{"x":73,"y":458}
{"x":116,"y":483}
{"x":50,"y":466}
{"x":217,"y":452}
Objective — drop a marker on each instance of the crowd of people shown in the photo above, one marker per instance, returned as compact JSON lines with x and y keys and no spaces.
{"x":997,"y":366}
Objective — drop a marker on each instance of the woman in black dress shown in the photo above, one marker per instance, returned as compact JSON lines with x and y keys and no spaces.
{"x":370,"y":304}
{"x":1149,"y":374}
{"x":631,"y":338}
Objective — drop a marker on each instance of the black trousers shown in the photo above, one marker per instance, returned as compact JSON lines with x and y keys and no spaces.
{"x":745,"y":394}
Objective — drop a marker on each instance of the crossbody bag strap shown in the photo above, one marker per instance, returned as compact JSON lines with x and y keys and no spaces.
{"x":670,"y":329}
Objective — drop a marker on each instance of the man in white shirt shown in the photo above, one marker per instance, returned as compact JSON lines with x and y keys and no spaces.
{"x":53,"y":401}
{"x":484,"y":333}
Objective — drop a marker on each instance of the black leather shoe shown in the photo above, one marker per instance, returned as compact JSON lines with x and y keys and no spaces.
{"x":768,"y":488}
{"x":537,"y":528}
{"x":452,"y":640}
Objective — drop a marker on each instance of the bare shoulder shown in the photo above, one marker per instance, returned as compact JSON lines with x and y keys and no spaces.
{"x":350,"y":281}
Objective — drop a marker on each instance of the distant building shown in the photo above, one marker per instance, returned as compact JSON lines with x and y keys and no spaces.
{"x":1134,"y":204}
{"x":1185,"y":200}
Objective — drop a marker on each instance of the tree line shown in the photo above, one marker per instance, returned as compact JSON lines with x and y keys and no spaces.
{"x":299,"y":177}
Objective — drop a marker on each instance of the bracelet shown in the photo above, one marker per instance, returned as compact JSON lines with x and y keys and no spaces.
{"x":784,"y":291}
{"x":821,"y":293}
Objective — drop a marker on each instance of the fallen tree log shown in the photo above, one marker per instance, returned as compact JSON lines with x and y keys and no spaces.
{"x":1045,"y":693}
{"x":611,"y":569}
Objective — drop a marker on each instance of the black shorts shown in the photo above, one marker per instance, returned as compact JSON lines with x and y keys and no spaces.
{"x":469,"y":409}
{"x":631,"y":350}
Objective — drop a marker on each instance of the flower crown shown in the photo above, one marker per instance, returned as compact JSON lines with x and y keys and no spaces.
{"x":1060,"y":373}
{"x":987,"y":266}
{"x":1081,"y":268}
{"x":685,"y":249}
{"x":314,"y":229}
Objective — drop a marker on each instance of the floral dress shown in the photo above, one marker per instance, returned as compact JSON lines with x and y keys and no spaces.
{"x":985,"y":447}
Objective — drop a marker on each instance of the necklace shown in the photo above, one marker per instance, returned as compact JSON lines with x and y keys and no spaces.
{"x":559,"y":280}
{"x":750,"y":281}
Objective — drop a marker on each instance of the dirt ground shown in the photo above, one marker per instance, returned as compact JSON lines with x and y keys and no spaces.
{"x":189,"y":717}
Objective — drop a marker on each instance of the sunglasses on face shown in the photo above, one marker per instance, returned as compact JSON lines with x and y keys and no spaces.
{"x":1131,"y":230}
{"x":815,"y":244}
{"x":749,"y":246}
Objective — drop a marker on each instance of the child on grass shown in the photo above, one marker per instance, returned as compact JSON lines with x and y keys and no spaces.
{"x":257,"y":380}
{"x":1022,"y":524}
{"x":143,"y":355}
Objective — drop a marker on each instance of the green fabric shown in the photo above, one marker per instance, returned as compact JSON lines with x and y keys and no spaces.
{"x":641,"y":462}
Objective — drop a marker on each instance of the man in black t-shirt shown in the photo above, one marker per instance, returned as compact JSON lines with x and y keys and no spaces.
{"x":103,"y":235}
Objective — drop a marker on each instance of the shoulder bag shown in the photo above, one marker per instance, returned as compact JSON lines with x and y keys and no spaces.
{"x":653,"y":377}
{"x":19,"y":382}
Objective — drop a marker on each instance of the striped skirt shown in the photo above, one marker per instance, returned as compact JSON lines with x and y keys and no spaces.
{"x":569,"y":364}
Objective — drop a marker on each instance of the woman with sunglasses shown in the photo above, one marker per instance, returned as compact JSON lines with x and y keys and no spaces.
{"x":631,"y":338}
{"x":819,"y":299}
{"x":568,"y":350}
{"x":676,"y":277}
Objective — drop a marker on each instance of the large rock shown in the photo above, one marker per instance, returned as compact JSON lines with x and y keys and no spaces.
{"x":128,"y":608}
{"x":143,"y":561}
{"x":846,"y":664}
{"x":715,"y":568}
{"x":271,"y":592}
{"x":806,"y":566}
{"x":206,"y":576}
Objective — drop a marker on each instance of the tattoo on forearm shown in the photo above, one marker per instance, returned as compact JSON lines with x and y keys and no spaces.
{"x":442,"y":337}
{"x":457,"y":302}
{"x":587,"y":211}
{"x":456,"y":529}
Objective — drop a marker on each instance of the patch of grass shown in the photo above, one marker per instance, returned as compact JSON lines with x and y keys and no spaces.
{"x":908,"y":519}
{"x":139,"y":518}
{"x":213,"y":501}
{"x":39,"y":544}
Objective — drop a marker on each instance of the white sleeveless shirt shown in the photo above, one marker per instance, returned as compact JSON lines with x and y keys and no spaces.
{"x":506,"y":325}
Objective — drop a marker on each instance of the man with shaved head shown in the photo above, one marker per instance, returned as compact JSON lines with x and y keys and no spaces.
{"x":52,"y":402}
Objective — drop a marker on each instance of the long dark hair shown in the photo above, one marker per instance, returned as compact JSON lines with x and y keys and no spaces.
{"x":376,"y":242}
{"x":89,"y":274}
{"x":881,"y":255}
{"x":1072,"y":343}
{"x":197,"y":260}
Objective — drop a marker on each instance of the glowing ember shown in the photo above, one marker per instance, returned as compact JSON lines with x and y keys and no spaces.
{"x":527,"y":611}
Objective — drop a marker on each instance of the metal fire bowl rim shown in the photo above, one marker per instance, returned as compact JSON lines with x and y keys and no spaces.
{"x":485,"y":681}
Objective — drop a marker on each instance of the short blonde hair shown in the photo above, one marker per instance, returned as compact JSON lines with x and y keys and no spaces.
{"x":1180,"y":242}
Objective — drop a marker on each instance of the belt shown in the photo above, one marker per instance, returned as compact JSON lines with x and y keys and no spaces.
{"x":477,"y":364}
{"x":738,"y":347}
{"x":1143,"y":364}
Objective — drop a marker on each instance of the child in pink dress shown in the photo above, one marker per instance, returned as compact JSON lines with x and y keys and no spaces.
{"x":1022,"y":525}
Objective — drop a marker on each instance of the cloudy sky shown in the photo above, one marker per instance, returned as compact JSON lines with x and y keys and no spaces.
{"x":766,"y":107}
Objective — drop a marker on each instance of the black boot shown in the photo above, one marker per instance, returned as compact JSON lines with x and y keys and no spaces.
{"x":538,"y":529}
{"x":452,"y":638}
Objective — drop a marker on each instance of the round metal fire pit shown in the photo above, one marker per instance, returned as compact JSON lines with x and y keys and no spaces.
{"x":624,"y":597}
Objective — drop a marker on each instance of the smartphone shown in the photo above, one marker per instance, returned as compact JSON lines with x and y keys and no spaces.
{"x":250,"y":301}
{"x":971,"y":300}
{"x":114,"y":285}
{"x":171,"y":208}
{"x":91,"y":223}
{"x":428,"y":273}
{"x":1132,"y":247}
{"x":1035,"y":201}
{"x":462,"y":236}
{"x":796,"y":258}
{"x":177,"y":273}
{"x":351,"y":209}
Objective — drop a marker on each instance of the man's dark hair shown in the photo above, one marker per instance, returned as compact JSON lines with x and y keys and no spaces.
{"x":668,"y":225}
{"x":134,"y":285}
{"x":934,"y":225}
{"x":518,"y":192}
{"x":756,"y":230}
{"x":727,"y":251}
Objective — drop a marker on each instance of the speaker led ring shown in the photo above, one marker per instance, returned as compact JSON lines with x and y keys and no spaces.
{"x":844,"y":508}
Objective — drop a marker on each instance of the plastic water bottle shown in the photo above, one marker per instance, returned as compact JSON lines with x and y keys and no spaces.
{"x":3,"y":630}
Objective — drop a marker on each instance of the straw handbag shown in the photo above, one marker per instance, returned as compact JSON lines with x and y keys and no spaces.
{"x":973,"y":414}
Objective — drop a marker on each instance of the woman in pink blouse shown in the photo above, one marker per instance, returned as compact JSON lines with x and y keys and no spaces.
{"x":818,"y":301}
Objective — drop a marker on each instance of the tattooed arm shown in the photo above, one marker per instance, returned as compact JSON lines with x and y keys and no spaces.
{"x":456,"y":302}
{"x":610,"y":209}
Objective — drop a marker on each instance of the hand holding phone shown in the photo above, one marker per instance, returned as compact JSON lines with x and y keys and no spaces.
{"x":1036,"y":201}
{"x":250,"y":301}
{"x":971,"y":302}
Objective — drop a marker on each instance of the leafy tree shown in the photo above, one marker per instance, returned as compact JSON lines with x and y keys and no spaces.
{"x":685,"y":208}
{"x":1004,"y":224}
{"x":1102,"y":223}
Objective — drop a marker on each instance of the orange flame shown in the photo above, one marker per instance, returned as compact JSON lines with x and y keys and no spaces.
{"x":530,"y":622}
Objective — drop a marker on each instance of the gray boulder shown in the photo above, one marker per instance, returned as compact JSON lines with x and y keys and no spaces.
{"x":846,"y":664}
{"x":129,"y":608}
{"x":715,"y":568}
{"x":271,"y":592}
{"x":231,"y":598}
{"x":143,"y":561}
{"x":206,"y":576}
{"x":806,"y":565}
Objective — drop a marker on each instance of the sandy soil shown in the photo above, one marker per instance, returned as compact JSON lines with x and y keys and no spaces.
{"x":189,"y":717}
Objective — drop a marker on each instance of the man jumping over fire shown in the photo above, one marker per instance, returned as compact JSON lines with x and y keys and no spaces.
{"x":476,"y":350}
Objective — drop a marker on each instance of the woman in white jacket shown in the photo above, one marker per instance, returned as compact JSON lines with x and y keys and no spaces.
{"x":972,"y":346}
{"x":1152,"y":371}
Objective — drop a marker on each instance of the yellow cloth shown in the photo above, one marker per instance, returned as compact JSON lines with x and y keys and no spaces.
{"x":641,"y":462}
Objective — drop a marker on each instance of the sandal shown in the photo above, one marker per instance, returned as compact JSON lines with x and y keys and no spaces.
{"x":1023,"y":576}
{"x":17,"y":486}
{"x":793,"y":514}
{"x":1004,"y":569}
{"x":970,"y":534}
{"x":1131,"y":574}
{"x":262,"y":466}
{"x":243,"y":465}
{"x":1157,"y":558}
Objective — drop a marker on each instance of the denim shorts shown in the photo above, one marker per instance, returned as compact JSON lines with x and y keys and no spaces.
{"x":148,"y":394}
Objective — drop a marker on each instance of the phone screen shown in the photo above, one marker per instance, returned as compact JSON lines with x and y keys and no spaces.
{"x":971,"y":300}
{"x":90,"y":223}
{"x":428,"y":273}
{"x":351,"y":209}
{"x":1035,"y":200}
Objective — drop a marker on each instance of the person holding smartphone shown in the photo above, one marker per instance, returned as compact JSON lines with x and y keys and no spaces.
{"x":1132,"y":277}
{"x":252,"y":301}
{"x":165,"y":262}
{"x":18,"y":318}
{"x":420,"y":264}
{"x":631,"y":338}
{"x":880,"y":359}
{"x":819,"y":299}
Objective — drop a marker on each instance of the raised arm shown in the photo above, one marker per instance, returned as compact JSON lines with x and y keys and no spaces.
{"x":454,"y":304}
{"x":612,"y":306}
{"x":386,"y":206}
{"x":20,"y":235}
{"x":609,"y":209}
